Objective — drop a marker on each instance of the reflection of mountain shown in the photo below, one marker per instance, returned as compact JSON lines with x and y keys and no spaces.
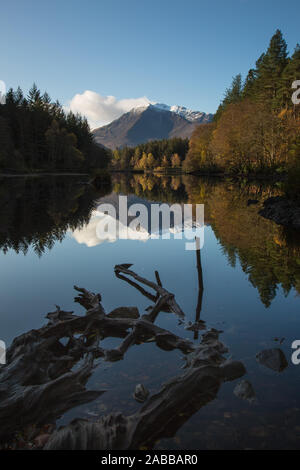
{"x":36,"y":212}
{"x":267,"y":253}
{"x":88,"y":233}
{"x":120,"y":230}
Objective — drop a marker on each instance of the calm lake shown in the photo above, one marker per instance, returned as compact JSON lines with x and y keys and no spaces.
{"x":251,"y":293}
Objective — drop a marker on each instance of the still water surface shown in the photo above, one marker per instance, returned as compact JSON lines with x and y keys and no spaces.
{"x":251,"y":280}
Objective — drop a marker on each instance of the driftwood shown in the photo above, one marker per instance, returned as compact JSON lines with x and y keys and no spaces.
{"x":160,"y":291}
{"x":47,"y":371}
{"x":164,"y":413}
{"x":39,"y":382}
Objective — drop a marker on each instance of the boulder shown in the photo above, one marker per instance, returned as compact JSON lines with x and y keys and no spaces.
{"x":273,"y":359}
{"x":250,"y":202}
{"x":244,"y":390}
{"x":141,"y":393}
{"x":282,"y":211}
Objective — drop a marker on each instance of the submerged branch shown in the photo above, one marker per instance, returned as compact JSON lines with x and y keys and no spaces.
{"x":161,"y":291}
{"x":47,"y":372}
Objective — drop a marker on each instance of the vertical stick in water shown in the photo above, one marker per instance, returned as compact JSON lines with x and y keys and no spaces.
{"x":200,"y":284}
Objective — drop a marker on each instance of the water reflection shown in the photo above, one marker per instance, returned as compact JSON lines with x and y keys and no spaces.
{"x":38,"y":211}
{"x":268,"y":254}
{"x":248,"y":263}
{"x":44,"y":388}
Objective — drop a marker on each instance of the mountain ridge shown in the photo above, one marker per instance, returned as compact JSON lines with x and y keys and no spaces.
{"x":152,"y":122}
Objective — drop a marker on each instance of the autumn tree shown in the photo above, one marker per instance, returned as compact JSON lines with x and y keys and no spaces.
{"x":256,"y":124}
{"x":175,"y":161}
{"x":200,"y":156}
{"x":165,"y":162}
{"x":151,"y":162}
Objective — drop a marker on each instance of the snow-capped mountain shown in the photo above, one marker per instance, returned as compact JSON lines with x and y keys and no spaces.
{"x":188,"y":114}
{"x":154,"y":121}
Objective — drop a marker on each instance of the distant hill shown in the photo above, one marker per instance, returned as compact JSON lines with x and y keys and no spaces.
{"x":152,"y":122}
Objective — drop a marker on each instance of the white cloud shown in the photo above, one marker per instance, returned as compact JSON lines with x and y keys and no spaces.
{"x":89,"y":236}
{"x":100,"y":110}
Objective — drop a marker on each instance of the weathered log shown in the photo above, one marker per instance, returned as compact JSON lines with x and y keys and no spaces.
{"x":124,"y":312}
{"x":143,"y":291}
{"x":87,"y":299}
{"x":164,"y":413}
{"x":174,"y":307}
{"x":38,"y":383}
{"x":31,"y":391}
{"x":158,"y":307}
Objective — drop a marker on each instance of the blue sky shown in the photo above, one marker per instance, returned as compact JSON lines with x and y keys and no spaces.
{"x":176,"y":52}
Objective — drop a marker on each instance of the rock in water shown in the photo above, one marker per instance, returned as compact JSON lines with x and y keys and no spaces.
{"x":252,"y":201}
{"x":244,"y":390}
{"x":141,"y":393}
{"x":272,"y":358}
{"x":282,"y":211}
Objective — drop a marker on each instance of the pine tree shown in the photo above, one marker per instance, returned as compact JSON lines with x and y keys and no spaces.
{"x":269,"y":68}
{"x":34,"y":96}
{"x":232,"y":95}
{"x":40,"y":135}
{"x":249,"y":84}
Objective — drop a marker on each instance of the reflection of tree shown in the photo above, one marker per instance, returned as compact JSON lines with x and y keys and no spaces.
{"x":267,"y":253}
{"x":38,"y":211}
{"x":262,"y":248}
{"x":153,"y":187}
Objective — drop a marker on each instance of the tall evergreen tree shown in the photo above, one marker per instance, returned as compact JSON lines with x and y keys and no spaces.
{"x":233,"y":94}
{"x":40,"y":135}
{"x":269,"y":69}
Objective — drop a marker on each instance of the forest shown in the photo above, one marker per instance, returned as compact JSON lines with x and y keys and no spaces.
{"x":156,"y":155}
{"x":38,"y":212}
{"x":256,"y":128}
{"x":37,"y":134}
